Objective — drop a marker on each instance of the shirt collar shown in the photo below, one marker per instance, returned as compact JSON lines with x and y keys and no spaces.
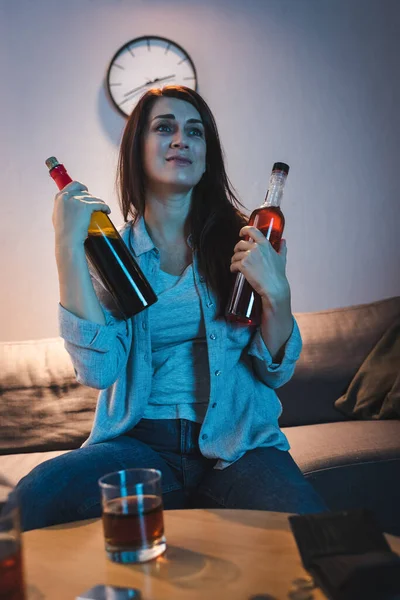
{"x":140,"y":240}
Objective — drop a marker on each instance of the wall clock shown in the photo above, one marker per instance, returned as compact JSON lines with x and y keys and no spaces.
{"x":143,"y":63}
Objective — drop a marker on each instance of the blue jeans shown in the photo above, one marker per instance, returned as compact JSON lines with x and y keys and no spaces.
{"x":65,"y":488}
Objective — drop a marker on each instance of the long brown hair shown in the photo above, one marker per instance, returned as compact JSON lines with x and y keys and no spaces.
{"x":214,"y":219}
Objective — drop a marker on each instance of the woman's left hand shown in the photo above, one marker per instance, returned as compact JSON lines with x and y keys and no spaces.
{"x":262,"y":266}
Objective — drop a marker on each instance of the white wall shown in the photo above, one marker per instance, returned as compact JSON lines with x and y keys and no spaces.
{"x":311,"y":82}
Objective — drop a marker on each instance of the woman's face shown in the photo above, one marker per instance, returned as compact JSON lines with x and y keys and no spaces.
{"x":174,"y":146}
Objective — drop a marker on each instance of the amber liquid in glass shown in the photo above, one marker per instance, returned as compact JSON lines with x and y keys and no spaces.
{"x":112,"y":260}
{"x":245,"y":304}
{"x":11,"y":571}
{"x":133,"y":522}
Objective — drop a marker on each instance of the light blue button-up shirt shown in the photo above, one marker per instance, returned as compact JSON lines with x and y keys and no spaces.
{"x":115,"y":358}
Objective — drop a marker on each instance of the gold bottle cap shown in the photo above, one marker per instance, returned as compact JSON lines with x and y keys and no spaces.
{"x":52,"y":162}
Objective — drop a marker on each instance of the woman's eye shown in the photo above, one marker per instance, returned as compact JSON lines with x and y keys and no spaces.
{"x":166,"y":128}
{"x":163,"y":127}
{"x":197,"y":132}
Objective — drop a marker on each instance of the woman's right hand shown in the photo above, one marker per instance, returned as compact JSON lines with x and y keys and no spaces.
{"x":73,"y":208}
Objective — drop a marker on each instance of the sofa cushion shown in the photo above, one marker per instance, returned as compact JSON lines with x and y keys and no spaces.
{"x":14,"y":467}
{"x":374,"y":392}
{"x":329,"y":445}
{"x":353,"y":465}
{"x":335,"y":343}
{"x":42,"y":406}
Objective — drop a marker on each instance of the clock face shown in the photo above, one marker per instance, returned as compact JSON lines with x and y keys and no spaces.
{"x":144,"y":63}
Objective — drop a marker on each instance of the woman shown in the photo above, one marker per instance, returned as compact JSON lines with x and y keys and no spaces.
{"x":182,"y":390}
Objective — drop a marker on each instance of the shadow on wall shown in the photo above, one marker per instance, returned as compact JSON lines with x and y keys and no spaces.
{"x":111,"y":121}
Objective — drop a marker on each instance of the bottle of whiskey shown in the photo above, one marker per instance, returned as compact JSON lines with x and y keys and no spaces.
{"x":107,"y":252}
{"x":244,"y":304}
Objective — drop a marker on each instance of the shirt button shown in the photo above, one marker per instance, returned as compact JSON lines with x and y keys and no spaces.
{"x":209,"y":304}
{"x":214,"y":405}
{"x":201,"y":279}
{"x":144,"y":325}
{"x":217,"y":373}
{"x":213,"y":336}
{"x":204,"y":436}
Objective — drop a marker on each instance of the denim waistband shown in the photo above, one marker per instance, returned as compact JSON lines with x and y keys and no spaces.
{"x":169,"y":435}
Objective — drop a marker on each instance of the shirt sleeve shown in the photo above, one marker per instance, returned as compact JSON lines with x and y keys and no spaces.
{"x":86,"y":334}
{"x":275,"y":375}
{"x":98,"y":352}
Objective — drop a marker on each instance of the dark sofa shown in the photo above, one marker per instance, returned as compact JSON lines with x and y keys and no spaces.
{"x":351,"y":462}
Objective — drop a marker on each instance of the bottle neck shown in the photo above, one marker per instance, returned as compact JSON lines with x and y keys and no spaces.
{"x":275,"y":189}
{"x":60,"y":176}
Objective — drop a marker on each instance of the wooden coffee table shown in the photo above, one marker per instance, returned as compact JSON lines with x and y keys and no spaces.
{"x":211,"y":555}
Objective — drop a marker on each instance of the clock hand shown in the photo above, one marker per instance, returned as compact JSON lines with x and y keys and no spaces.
{"x":130,"y":97}
{"x":163,"y":78}
{"x":138,"y":88}
{"x":149,"y":83}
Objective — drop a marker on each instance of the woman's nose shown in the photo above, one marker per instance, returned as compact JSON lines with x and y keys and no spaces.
{"x":179,"y":141}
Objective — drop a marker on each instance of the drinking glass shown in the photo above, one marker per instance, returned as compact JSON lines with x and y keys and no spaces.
{"x":12,"y":586}
{"x":132,"y":512}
